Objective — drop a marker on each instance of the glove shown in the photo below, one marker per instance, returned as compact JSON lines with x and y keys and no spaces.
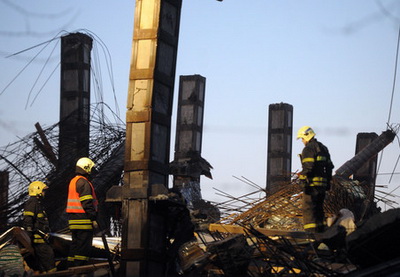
{"x":96,"y":228}
{"x":44,"y":235}
{"x":95,"y":225}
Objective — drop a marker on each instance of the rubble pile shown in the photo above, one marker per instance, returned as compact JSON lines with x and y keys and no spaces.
{"x":282,"y":210}
{"x":26,"y":162}
{"x":256,"y":235}
{"x":279,"y":246}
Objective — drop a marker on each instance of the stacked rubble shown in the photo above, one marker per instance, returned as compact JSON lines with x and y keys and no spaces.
{"x":26,"y":161}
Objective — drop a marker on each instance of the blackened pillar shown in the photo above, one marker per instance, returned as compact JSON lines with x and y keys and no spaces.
{"x":279,"y":163}
{"x":188,"y":165}
{"x":75,"y":99}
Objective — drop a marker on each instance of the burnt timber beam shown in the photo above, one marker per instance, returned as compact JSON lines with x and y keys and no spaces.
{"x":371,"y":150}
{"x":148,"y":124}
{"x":235,"y":229}
{"x":74,"y":99}
{"x":279,"y":160}
{"x":4,"y":187}
{"x":188,"y":165}
{"x":44,"y":145}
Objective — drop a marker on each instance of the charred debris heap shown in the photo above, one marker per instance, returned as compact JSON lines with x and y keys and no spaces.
{"x":254,"y":236}
{"x":179,"y":233}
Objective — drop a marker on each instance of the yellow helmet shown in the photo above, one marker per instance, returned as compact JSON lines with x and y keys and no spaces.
{"x":86,"y":164}
{"x":306,"y":133}
{"x":36,"y":188}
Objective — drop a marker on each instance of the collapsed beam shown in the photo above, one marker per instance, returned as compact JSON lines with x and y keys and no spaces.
{"x":351,"y":166}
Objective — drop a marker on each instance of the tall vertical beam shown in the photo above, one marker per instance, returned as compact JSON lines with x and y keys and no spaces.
{"x":279,"y":163}
{"x":189,"y":129}
{"x":75,"y":98}
{"x":366,"y":175}
{"x":148,"y":124}
{"x":74,"y":123}
{"x":188,"y":164}
{"x":367,"y":172}
{"x":4,"y":186}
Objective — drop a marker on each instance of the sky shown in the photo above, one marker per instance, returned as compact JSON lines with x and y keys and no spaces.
{"x":333,"y":61}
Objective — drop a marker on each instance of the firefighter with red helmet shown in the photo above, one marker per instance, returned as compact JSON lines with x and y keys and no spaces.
{"x":315,"y":176}
{"x":82,"y":212}
{"x":36,"y":223}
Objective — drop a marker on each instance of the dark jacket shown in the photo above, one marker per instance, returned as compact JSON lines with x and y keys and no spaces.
{"x":35,"y":218}
{"x":316,"y":163}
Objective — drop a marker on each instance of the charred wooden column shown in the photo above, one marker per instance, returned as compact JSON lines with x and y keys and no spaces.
{"x":279,"y":163}
{"x":371,"y":150}
{"x":75,"y":99}
{"x":44,"y":145}
{"x":366,"y":175}
{"x":367,"y":172}
{"x":74,"y":123}
{"x":4,"y":186}
{"x":188,"y":164}
{"x":148,"y":120}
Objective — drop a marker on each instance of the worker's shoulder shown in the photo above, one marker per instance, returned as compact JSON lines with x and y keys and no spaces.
{"x":82,"y":180}
{"x":312,"y":147}
{"x":32,"y":201}
{"x":83,"y":184}
{"x":322,"y":146}
{"x":314,"y":143}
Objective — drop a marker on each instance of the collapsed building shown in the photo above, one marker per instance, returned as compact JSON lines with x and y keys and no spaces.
{"x":50,"y":154}
{"x":174,"y":231}
{"x":258,"y":237}
{"x":247,"y":236}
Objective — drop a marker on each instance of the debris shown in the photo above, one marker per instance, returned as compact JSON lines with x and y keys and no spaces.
{"x":11,"y":261}
{"x":25,"y":161}
{"x":376,"y":240}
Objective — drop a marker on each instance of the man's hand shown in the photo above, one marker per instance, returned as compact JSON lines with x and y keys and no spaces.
{"x":95,"y":225}
{"x":96,"y":229}
{"x":44,"y":235}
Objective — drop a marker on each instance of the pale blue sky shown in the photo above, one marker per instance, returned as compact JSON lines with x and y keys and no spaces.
{"x":332,"y":60}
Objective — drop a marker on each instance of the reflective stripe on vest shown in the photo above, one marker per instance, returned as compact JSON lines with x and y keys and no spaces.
{"x":310,"y":225}
{"x":80,"y":224}
{"x":37,"y":239}
{"x":318,"y":181}
{"x":28,"y":213}
{"x":318,"y":159}
{"x":74,"y":204}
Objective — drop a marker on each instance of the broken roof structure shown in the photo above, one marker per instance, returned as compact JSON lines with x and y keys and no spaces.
{"x":25,"y":162}
{"x":257,"y":236}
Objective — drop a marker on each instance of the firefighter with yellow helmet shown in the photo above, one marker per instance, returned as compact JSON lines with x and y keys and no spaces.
{"x":82,"y":212}
{"x":315,"y":176}
{"x":36,"y":223}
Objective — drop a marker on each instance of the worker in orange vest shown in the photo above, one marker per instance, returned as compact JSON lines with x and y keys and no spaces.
{"x":82,"y":213}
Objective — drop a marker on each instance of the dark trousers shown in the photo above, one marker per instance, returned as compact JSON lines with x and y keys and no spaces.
{"x":80,"y":248}
{"x":45,"y":256}
{"x":313,"y":209}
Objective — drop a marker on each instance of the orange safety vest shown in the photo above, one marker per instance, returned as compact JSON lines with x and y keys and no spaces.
{"x":74,"y":204}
